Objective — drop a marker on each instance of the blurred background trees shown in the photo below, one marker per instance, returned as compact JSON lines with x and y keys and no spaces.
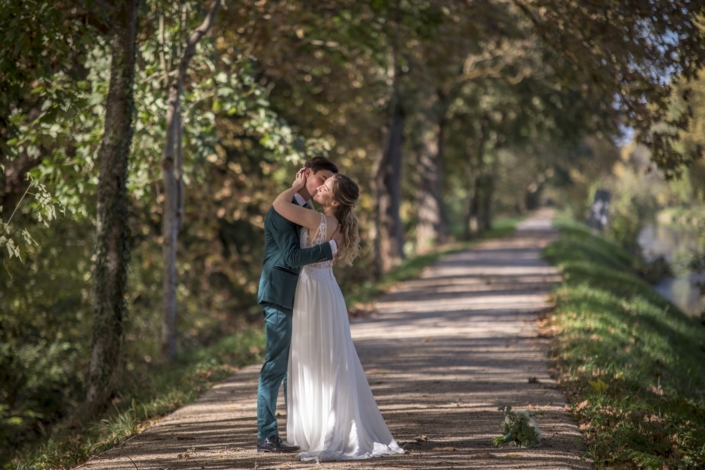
{"x":448,"y":114}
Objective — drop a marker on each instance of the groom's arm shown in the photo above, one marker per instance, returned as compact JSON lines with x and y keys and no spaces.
{"x":286,"y":237}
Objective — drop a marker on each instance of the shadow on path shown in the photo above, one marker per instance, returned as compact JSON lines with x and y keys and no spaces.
{"x":444,"y":351}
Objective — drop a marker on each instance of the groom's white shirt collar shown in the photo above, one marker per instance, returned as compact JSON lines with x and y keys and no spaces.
{"x":304,"y":203}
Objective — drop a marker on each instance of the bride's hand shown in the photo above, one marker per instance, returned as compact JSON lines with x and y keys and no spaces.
{"x":300,"y":181}
{"x":339,"y":240}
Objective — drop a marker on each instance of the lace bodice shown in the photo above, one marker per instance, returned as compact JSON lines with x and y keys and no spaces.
{"x":324,"y":268}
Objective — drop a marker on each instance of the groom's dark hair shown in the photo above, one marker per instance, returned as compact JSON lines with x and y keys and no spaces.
{"x":320,"y":163}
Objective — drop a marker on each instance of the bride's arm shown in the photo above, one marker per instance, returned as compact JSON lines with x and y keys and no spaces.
{"x":293,"y":212}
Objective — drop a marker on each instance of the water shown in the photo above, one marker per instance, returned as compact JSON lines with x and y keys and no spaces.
{"x":676,"y":243}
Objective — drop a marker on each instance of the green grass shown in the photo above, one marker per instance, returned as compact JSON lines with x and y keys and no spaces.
{"x":145,"y":396}
{"x":154,"y":392}
{"x":631,"y":363}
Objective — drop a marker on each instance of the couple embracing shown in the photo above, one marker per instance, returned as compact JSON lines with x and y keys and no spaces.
{"x":331,"y":413}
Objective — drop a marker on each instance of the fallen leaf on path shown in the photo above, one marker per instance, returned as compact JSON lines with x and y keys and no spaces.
{"x":422,"y":438}
{"x":484,"y":455}
{"x":445,"y":449}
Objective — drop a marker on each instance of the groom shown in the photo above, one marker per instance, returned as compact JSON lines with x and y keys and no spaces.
{"x":283,"y":257}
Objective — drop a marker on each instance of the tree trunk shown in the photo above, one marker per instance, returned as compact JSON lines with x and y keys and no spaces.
{"x":474,"y":175}
{"x":431,"y":227}
{"x":386,"y":174}
{"x":170,"y":231}
{"x":475,"y":227}
{"x":488,"y":195}
{"x":174,"y":188}
{"x":389,"y":240}
{"x":112,"y":245}
{"x":470,"y":187}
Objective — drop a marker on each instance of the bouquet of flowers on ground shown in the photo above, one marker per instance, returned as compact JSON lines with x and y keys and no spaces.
{"x":518,"y":427}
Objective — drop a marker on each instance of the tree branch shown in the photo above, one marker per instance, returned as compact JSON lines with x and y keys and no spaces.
{"x":195,"y":37}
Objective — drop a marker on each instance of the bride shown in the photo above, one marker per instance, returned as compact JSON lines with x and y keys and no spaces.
{"x":331,"y":413}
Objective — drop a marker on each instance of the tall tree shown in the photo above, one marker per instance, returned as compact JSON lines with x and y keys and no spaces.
{"x":387,"y":177}
{"x":386,"y":172}
{"x":431,"y":225}
{"x":172,"y":177}
{"x":112,"y":245}
{"x":468,"y":43}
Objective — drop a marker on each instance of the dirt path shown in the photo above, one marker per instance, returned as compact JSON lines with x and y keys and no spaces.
{"x":444,"y":352}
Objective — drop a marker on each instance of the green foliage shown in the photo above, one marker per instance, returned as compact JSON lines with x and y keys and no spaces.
{"x":653,"y":38}
{"x":148,"y":393}
{"x":44,"y":350}
{"x":43,"y":104}
{"x":518,"y":427}
{"x":45,"y":330}
{"x":273,"y":83}
{"x":630,"y":361}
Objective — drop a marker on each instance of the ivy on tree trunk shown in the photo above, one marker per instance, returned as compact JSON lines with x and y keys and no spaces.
{"x":112,"y":244}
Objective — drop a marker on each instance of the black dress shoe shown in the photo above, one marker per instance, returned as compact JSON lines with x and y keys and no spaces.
{"x":275,"y":444}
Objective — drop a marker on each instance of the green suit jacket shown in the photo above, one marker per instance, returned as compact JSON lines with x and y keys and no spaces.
{"x":283,"y":258}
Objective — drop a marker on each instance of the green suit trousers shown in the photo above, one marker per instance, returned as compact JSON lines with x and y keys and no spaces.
{"x":277,"y":328}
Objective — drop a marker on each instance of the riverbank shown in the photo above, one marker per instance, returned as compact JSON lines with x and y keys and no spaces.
{"x":674,"y":238}
{"x":630,"y":362}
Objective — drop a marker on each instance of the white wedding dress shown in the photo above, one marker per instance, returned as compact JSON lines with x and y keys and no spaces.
{"x":331,"y":413}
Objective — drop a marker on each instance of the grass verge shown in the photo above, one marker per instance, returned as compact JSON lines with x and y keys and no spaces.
{"x":145,"y":396}
{"x":154,"y":392}
{"x":631,"y":363}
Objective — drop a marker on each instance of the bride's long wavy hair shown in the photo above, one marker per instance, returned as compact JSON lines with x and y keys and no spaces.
{"x":346,"y":193}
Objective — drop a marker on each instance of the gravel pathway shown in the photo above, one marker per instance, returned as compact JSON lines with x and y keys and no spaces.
{"x":442,"y":353}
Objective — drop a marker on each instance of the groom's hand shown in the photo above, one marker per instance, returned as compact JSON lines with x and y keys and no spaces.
{"x":300,"y":181}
